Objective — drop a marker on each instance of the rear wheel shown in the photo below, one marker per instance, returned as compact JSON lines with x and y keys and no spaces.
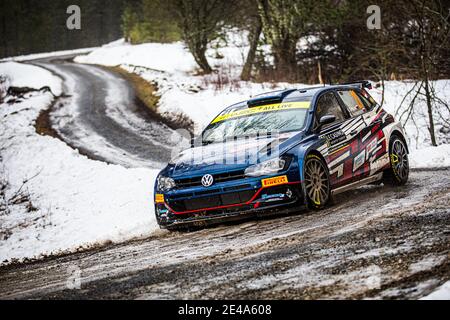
{"x":317,"y":183}
{"x":398,"y":173}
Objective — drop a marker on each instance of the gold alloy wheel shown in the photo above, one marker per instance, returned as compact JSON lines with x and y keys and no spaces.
{"x":316,"y":181}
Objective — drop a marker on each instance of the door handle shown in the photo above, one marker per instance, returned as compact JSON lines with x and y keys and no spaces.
{"x":353,"y":133}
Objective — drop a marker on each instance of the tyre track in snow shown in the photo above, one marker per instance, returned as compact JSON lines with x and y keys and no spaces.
{"x":374,"y":242}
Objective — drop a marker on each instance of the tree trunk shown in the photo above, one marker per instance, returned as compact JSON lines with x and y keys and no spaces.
{"x":254,"y":40}
{"x":283,"y":34}
{"x":285,"y":62}
{"x":319,"y":71}
{"x":200,"y":58}
{"x":430,"y":113}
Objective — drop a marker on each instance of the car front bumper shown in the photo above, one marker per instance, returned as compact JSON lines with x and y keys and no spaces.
{"x":236,"y":200}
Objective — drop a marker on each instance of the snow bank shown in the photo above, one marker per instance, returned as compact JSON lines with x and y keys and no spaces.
{"x":431,"y":157}
{"x":22,"y":75}
{"x":44,"y":55}
{"x":72,"y":201}
{"x":171,"y":57}
{"x":416,"y":122}
{"x":198,"y":96}
{"x":441,"y":293}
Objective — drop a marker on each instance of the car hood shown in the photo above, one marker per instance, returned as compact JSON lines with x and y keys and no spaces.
{"x":232,"y":155}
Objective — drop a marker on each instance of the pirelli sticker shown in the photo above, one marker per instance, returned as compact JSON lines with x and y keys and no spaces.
{"x":272,"y":182}
{"x":159,"y":198}
{"x":263,"y":109}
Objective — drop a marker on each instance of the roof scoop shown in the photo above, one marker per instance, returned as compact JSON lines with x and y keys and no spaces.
{"x":273,"y":97}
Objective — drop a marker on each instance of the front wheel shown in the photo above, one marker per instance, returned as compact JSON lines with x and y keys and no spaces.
{"x":398,"y":173}
{"x":317,"y":183}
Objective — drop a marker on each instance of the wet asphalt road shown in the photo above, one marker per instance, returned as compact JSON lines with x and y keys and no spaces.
{"x":374,"y":242}
{"x":100,"y":115}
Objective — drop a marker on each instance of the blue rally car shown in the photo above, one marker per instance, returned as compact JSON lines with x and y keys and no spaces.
{"x":279,"y":152}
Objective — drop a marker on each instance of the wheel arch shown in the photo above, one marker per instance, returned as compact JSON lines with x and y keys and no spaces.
{"x":399,"y":134}
{"x":304,"y":154}
{"x":314,"y":152}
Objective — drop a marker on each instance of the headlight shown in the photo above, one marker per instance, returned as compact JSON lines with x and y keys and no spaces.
{"x":266,"y":168}
{"x":165,"y":183}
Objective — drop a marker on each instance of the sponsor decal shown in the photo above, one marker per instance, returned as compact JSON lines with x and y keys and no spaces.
{"x":263,"y":109}
{"x":334,"y":138}
{"x":379,"y":164}
{"x":269,"y":197}
{"x":359,"y":160}
{"x":372,"y":146}
{"x":272,"y":182}
{"x":159,"y":198}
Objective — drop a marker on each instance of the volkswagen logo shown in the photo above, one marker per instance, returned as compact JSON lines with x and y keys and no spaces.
{"x":207,"y":180}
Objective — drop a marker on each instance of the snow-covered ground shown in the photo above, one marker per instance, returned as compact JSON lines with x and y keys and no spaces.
{"x":441,"y":293}
{"x":66,"y":200}
{"x":35,"y":56}
{"x":201,"y":97}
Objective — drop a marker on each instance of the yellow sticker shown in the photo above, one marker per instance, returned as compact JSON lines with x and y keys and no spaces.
{"x":272,"y":182}
{"x":263,"y":109}
{"x":159,"y":198}
{"x":357,"y":99}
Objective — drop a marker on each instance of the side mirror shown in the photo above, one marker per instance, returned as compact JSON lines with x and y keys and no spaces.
{"x":328,"y":119}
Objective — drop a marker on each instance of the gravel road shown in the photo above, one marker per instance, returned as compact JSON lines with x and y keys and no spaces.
{"x":374,"y":242}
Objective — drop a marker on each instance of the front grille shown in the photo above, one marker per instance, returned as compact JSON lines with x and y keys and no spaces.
{"x":218,"y":178}
{"x":219,"y":200}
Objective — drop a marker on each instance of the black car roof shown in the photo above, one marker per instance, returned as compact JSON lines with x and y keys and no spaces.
{"x":296,"y":93}
{"x":312,"y":90}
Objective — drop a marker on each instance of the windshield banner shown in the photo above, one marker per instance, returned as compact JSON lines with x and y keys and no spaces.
{"x":263,"y":109}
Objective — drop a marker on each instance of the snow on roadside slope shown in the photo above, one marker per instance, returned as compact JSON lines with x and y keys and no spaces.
{"x":181,"y":91}
{"x":22,"y":75}
{"x":172,"y":57}
{"x":441,"y":293}
{"x":43,"y":55}
{"x":79,"y":202}
{"x":198,"y":98}
{"x":431,"y":157}
{"x":417,"y":125}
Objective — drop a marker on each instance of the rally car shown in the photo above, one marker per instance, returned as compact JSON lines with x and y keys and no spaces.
{"x":279,"y":152}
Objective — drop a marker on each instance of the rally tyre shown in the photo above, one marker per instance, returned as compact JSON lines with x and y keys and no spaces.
{"x":317,"y":187}
{"x":398,"y":173}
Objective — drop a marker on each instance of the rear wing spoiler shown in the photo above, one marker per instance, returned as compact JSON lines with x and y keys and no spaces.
{"x":364,"y":84}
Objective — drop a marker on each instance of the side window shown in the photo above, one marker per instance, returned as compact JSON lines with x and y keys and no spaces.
{"x":329,"y":105}
{"x":367,"y":99}
{"x":353,"y":102}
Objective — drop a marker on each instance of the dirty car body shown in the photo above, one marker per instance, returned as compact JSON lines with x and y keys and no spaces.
{"x":279,"y":152}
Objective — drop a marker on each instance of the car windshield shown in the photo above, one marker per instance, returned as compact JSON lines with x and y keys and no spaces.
{"x":243,"y":121}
